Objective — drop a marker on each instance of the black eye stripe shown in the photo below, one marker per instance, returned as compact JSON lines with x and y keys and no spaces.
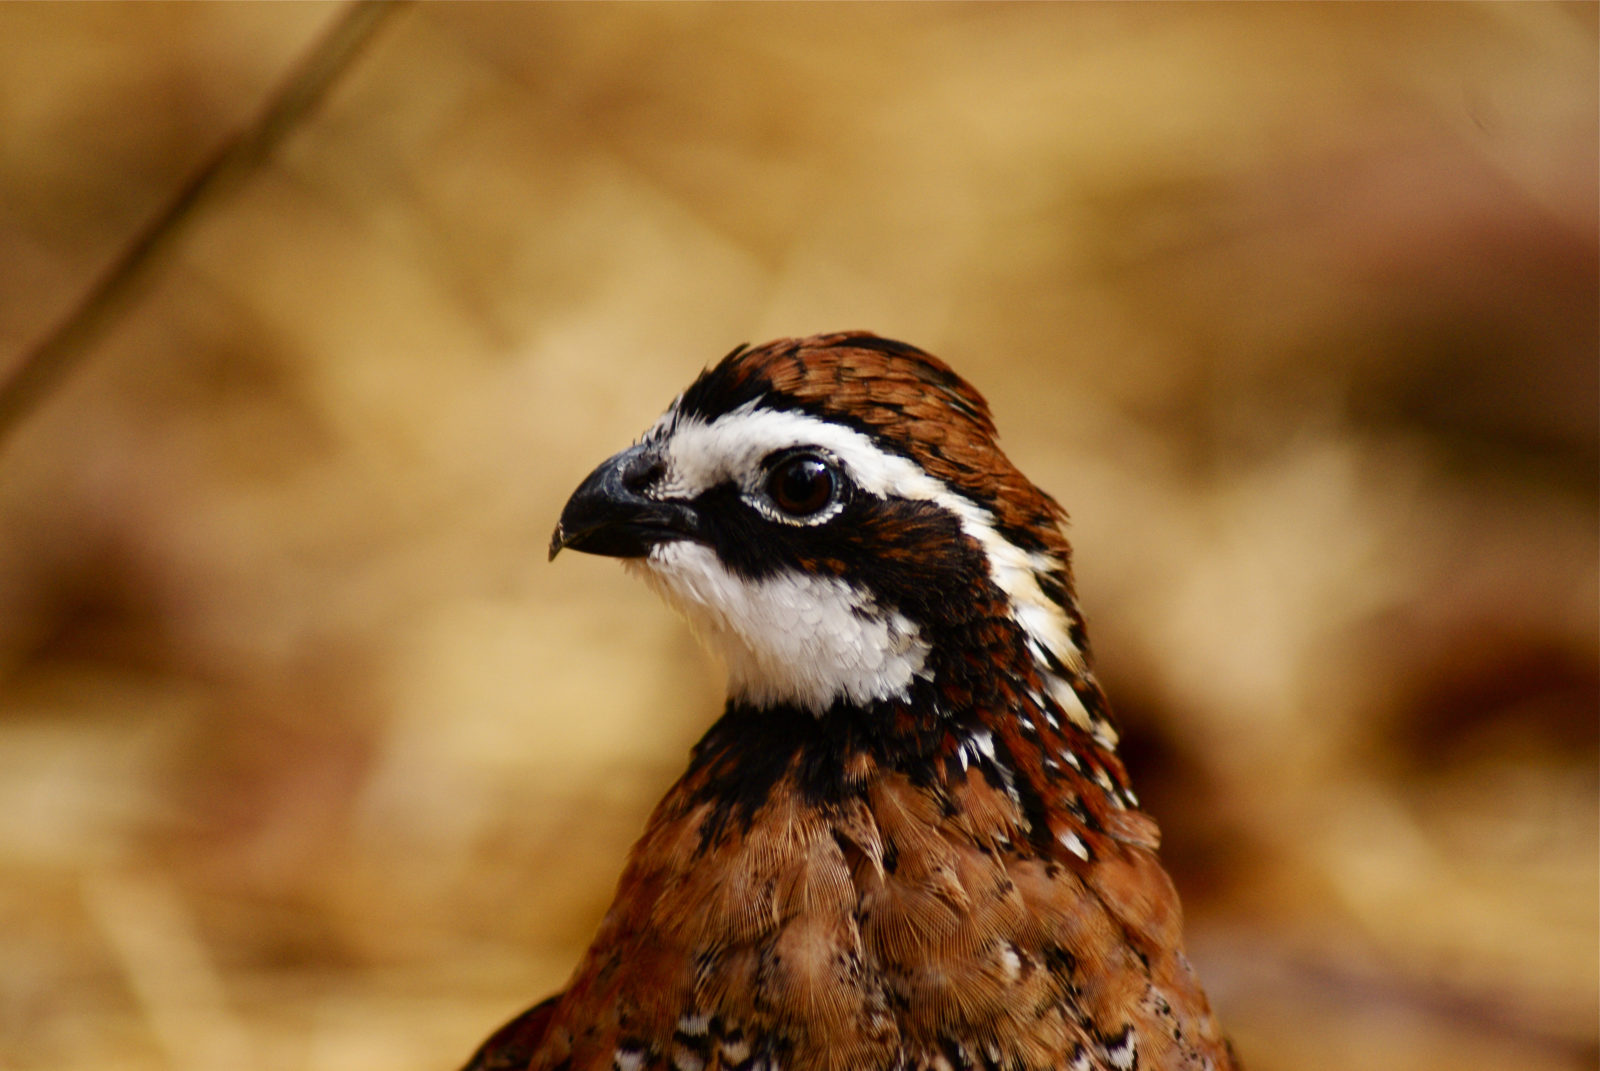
{"x":908,"y":553}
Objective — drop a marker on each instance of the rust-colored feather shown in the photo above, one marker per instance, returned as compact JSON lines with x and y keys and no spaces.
{"x":890,"y":927}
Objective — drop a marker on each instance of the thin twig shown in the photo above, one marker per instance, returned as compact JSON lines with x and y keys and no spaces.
{"x":45,"y":366}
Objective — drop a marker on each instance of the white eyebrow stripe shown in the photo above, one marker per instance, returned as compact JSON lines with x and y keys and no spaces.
{"x":702,"y":454}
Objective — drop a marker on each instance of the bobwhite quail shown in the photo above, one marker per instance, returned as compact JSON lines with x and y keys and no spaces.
{"x":908,"y":843}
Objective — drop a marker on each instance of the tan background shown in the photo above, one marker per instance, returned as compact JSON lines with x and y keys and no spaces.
{"x":308,"y":759}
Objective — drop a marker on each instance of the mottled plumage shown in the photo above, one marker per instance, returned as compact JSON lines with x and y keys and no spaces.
{"x":908,"y":842}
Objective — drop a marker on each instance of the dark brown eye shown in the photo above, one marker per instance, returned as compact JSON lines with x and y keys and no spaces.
{"x":801,"y":485}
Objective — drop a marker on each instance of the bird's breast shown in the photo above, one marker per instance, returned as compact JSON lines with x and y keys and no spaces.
{"x":887,"y":930}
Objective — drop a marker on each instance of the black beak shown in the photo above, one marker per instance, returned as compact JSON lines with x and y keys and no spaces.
{"x":609,"y":513}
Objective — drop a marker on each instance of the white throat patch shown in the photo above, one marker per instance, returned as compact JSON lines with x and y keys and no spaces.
{"x":789,"y":638}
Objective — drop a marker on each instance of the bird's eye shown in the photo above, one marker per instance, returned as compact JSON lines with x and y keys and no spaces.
{"x":801,"y":485}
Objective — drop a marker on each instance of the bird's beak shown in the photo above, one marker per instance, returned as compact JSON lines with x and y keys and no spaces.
{"x":610,"y":514}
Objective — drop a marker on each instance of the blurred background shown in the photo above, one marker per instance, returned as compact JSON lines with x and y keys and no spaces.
{"x":308,"y":760}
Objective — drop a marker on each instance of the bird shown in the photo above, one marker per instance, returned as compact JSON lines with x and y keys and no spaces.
{"x":908,"y":842}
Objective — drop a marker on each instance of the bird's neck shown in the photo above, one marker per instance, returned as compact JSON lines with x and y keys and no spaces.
{"x":1004,"y":718}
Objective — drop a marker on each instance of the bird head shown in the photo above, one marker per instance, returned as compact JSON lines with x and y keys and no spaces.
{"x":835,"y":517}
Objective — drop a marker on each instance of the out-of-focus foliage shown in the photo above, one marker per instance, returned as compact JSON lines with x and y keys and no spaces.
{"x":308,"y":759}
